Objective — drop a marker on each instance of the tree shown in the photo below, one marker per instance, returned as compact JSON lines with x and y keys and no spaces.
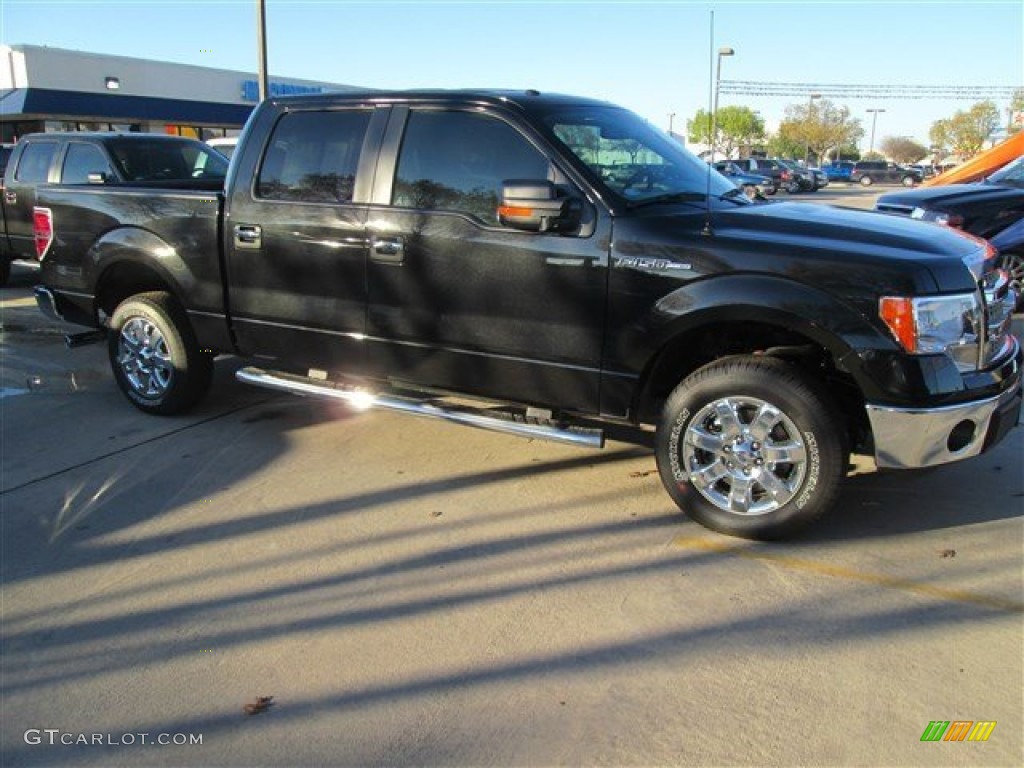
{"x":1016,"y":121}
{"x":736,"y":127}
{"x":819,"y":126}
{"x":965,"y":133}
{"x":903,"y":150}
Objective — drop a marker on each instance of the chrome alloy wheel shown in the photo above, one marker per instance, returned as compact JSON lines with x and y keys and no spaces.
{"x":145,"y":359}
{"x":744,"y":455}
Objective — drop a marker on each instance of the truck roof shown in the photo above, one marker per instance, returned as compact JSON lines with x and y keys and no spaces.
{"x":523,"y":99}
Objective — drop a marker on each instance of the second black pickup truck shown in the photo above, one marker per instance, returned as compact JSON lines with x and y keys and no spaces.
{"x":138,"y":160}
{"x":564,"y":263}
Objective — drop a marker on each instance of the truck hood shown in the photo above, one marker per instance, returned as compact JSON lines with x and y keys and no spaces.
{"x":952,"y":195}
{"x":854,"y":254}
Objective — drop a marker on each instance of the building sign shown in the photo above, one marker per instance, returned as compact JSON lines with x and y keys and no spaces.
{"x":251,"y":89}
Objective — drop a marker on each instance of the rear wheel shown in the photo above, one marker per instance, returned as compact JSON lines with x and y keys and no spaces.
{"x":751,"y":447}
{"x":154,"y":355}
{"x":909,"y":181}
{"x":866,"y":181}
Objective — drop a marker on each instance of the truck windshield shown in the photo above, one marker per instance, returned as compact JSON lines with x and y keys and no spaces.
{"x":631,"y":158}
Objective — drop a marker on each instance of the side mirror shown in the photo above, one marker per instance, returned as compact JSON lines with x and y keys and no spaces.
{"x":535,"y":206}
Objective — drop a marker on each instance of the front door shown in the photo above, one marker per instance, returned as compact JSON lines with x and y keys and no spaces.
{"x":456,"y":300}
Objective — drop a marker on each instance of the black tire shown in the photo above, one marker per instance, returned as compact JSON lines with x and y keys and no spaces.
{"x":908,"y":181}
{"x":725,"y":475}
{"x":5,"y":270}
{"x":770,"y":190}
{"x":154,"y":355}
{"x":793,"y":187}
{"x":866,"y":181}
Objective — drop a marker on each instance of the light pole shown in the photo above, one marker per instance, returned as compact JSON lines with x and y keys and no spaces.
{"x":874,"y":120}
{"x":671,"y":117}
{"x":810,"y":112}
{"x":714,"y":108}
{"x":261,"y":44}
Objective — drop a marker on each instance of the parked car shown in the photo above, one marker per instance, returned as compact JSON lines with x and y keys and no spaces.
{"x":992,"y":209}
{"x":868,"y":172}
{"x":820,"y":178}
{"x":113,"y":159}
{"x":797,"y":178}
{"x":752,"y":183}
{"x":838,"y":171}
{"x":464,"y":255}
{"x":763,"y":166}
{"x":224,"y":144}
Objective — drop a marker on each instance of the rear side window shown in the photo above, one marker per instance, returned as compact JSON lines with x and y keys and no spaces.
{"x":166,"y":159}
{"x":82,"y":159}
{"x":313,"y":156}
{"x":34,"y":165}
{"x":457,"y":161}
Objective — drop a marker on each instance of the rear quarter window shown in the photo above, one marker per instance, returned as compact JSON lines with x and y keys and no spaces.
{"x":35,"y":160}
{"x":313,"y":157}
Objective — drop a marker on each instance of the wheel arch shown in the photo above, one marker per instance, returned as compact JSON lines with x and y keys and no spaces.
{"x":132,"y":260}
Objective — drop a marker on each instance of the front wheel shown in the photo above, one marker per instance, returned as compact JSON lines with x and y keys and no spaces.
{"x":154,"y":355}
{"x":1013,"y":263}
{"x":909,"y":181}
{"x":866,"y":181}
{"x":751,"y":447}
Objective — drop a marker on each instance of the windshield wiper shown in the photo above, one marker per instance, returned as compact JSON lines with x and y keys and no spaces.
{"x":669,"y":197}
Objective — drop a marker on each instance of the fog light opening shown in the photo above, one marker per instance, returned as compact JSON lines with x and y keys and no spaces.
{"x":961,"y":436}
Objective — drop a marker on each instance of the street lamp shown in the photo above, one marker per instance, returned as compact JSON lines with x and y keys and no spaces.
{"x":714,"y":108}
{"x":810,"y":110}
{"x":261,"y":48}
{"x":874,"y":119}
{"x":671,"y":117}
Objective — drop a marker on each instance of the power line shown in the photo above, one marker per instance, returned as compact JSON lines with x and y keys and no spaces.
{"x":868,"y":91}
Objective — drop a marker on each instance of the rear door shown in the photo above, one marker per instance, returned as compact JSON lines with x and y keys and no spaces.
{"x":295,"y":240}
{"x":34,"y":166}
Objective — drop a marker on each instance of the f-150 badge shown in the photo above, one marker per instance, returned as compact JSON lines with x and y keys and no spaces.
{"x":643,"y":262}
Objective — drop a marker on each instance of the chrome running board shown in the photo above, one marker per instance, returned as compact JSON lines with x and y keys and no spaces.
{"x":482,"y":418}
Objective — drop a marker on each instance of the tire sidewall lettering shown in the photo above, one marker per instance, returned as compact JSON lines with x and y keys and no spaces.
{"x":813,"y":470}
{"x":678,"y":474}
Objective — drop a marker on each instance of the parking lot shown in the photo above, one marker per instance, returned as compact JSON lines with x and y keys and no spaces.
{"x":415,"y":593}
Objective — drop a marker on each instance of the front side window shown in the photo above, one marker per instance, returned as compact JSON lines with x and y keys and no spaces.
{"x":636,"y":161}
{"x":457,"y":161}
{"x":34,"y":165}
{"x":312,"y":157}
{"x":81,"y":160}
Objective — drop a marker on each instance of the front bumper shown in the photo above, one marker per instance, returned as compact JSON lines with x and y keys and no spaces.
{"x":907,"y":438}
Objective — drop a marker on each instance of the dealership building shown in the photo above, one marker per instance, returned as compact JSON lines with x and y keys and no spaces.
{"x":52,"y":89}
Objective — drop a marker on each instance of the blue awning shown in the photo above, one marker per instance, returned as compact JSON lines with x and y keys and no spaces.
{"x":46,"y":104}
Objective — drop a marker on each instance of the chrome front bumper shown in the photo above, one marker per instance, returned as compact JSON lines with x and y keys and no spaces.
{"x":906,"y":438}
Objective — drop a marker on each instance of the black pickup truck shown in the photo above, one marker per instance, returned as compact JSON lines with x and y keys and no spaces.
{"x":129,"y":159}
{"x":567,"y":265}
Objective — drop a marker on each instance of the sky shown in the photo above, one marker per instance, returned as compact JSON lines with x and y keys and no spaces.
{"x":653,"y":57}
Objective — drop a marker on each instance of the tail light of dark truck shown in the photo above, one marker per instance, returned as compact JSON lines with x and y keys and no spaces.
{"x":42,"y":230}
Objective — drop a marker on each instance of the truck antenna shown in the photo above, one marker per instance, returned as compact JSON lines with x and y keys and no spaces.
{"x":711,"y":124}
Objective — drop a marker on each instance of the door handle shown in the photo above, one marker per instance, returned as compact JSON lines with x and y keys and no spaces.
{"x":387,"y":250}
{"x":248,"y":236}
{"x":10,"y":197}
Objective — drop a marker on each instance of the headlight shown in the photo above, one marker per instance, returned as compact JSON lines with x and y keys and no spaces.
{"x":935,"y":325}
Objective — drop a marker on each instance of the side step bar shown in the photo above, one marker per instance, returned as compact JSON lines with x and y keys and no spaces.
{"x":482,"y":418}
